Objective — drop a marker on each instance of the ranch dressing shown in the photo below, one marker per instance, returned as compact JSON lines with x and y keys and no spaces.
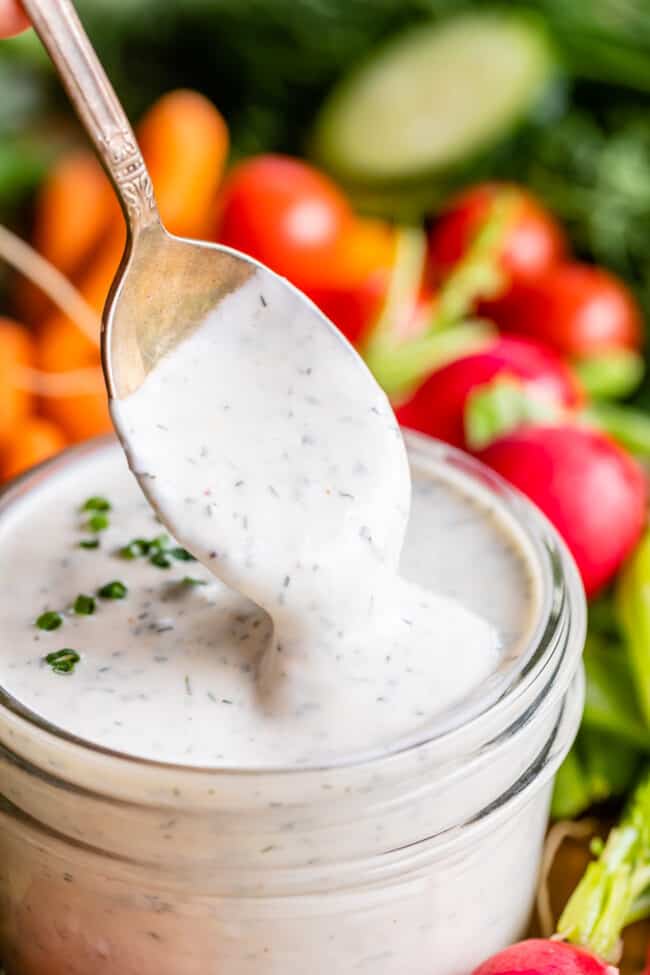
{"x":273,"y":456}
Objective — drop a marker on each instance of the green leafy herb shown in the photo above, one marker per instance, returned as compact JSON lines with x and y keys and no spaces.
{"x":182,"y":554}
{"x":89,"y":543}
{"x":84,"y":605}
{"x":96,"y":504}
{"x":113,"y":590}
{"x":135,"y":548}
{"x":160,"y":559}
{"x":63,"y":661}
{"x":49,"y":621}
{"x":97,"y":523}
{"x":190,"y":581}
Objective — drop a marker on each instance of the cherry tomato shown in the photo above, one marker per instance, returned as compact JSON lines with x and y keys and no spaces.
{"x":288,"y":215}
{"x":533,"y":241}
{"x":438,"y":405}
{"x":579,"y":309}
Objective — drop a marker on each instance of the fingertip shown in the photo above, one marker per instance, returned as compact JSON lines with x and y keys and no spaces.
{"x":13,"y":18}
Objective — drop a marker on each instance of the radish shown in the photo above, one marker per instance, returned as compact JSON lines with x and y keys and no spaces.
{"x":438,"y":405}
{"x":593,"y":492}
{"x":610,"y":895}
{"x":540,"y":957}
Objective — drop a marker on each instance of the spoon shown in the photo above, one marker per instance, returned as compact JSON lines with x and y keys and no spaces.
{"x":165,"y":290}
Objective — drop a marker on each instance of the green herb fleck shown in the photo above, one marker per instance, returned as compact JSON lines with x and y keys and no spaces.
{"x":89,"y":543}
{"x":161,"y":560}
{"x":84,"y":605}
{"x":63,"y":661}
{"x":182,"y":554}
{"x":190,"y":581}
{"x":113,"y":590}
{"x":49,"y":621}
{"x":135,"y":548}
{"x":96,"y":504}
{"x":98,"y":523}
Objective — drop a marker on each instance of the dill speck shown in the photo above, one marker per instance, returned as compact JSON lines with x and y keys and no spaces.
{"x":113,"y":590}
{"x":96,"y":504}
{"x":84,"y":605}
{"x":63,"y":661}
{"x":89,"y":543}
{"x":98,"y":523}
{"x":49,"y":621}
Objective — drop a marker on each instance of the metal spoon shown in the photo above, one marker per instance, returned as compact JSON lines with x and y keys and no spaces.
{"x":165,"y":286}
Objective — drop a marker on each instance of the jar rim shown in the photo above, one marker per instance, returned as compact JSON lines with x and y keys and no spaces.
{"x":558,"y":632}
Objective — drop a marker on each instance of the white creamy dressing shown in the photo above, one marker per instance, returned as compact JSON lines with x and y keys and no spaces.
{"x":277,"y":462}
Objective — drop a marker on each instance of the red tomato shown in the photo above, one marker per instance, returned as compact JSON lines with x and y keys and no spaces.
{"x":286,"y":214}
{"x":593,"y":492}
{"x":579,"y":309}
{"x":352,"y":308}
{"x":438,"y":406}
{"x":533,"y":242}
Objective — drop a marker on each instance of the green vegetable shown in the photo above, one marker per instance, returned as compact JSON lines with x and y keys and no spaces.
{"x":190,"y":581}
{"x":113,"y":590}
{"x":610,"y":702}
{"x":181,"y":554}
{"x":494,"y":409}
{"x":612,"y":375}
{"x":84,"y":605}
{"x":608,"y":895}
{"x":63,"y":661}
{"x":598,"y":767}
{"x":89,"y":543}
{"x":435,"y":98}
{"x":135,"y":548}
{"x":49,"y":621}
{"x":633,"y":605}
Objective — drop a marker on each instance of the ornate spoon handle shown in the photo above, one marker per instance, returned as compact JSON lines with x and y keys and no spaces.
{"x":58,"y":26}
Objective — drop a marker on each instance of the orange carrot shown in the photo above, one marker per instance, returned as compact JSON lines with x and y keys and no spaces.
{"x":184,"y":140}
{"x":368,"y":246}
{"x":16,"y":349}
{"x":73,"y":211}
{"x":63,"y":346}
{"x":33,"y":441}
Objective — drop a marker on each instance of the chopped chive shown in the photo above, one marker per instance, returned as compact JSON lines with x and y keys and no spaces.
{"x":84,"y":605}
{"x":89,"y":543}
{"x":63,"y":661}
{"x":182,"y":554}
{"x":113,"y":590}
{"x":49,"y":621}
{"x":135,"y":548}
{"x":97,"y":523}
{"x":96,"y":504}
{"x":161,"y":560}
{"x":189,"y":581}
{"x":160,"y":541}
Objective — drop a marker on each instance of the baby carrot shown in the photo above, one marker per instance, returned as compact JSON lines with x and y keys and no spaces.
{"x":33,"y":441}
{"x":16,"y":349}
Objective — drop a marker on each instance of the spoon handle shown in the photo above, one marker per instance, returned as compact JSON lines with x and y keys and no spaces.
{"x":59,"y":28}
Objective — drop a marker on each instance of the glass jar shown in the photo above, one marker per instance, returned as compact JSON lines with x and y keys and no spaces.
{"x":421,"y":860}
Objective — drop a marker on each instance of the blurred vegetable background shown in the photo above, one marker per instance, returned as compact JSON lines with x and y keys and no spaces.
{"x":464,"y":189}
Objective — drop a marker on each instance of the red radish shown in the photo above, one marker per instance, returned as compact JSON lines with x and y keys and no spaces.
{"x":578,"y":309}
{"x":438,"y":405}
{"x":533,"y":241}
{"x":593,"y":492}
{"x":539,"y":957}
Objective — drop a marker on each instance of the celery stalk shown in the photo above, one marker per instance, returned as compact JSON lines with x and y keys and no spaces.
{"x":614,"y":885}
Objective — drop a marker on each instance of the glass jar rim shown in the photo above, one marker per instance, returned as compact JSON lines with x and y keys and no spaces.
{"x":553,"y":646}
